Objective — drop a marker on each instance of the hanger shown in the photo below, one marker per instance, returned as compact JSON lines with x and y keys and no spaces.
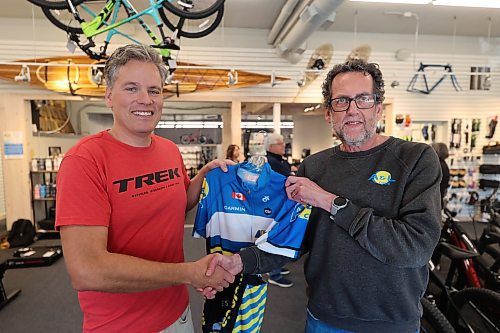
{"x":250,"y":171}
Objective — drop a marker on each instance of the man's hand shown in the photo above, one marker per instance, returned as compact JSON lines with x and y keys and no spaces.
{"x":231,"y":264}
{"x":305,"y":191}
{"x":193,"y":192}
{"x":218,"y":163}
{"x":217,"y":280}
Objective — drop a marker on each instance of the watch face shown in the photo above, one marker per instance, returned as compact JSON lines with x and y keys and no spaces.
{"x":340,"y":201}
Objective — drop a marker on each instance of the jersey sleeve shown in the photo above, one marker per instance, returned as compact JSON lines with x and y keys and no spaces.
{"x":202,"y":213}
{"x":285,"y":235}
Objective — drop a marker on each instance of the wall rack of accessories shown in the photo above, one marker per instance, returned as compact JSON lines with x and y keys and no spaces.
{"x":43,"y":201}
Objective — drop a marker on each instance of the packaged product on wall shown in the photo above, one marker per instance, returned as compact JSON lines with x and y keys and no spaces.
{"x":48,"y":164}
{"x":34,"y":164}
{"x":43,"y":191}
{"x":40,"y":164}
{"x":36,"y":192}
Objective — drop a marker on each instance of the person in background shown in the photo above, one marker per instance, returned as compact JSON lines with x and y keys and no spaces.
{"x":122,"y":195}
{"x":233,"y":153}
{"x":375,"y":219}
{"x":442,"y":152}
{"x":275,"y":150}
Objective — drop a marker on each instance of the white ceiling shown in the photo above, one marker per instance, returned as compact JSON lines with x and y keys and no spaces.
{"x":371,"y":17}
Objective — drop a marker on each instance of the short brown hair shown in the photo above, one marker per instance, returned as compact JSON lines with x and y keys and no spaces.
{"x":122,"y":55}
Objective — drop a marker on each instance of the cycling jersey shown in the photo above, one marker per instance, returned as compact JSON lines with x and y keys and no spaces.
{"x":235,"y":213}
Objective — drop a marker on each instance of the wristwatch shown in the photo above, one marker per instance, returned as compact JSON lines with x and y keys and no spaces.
{"x":337,"y":204}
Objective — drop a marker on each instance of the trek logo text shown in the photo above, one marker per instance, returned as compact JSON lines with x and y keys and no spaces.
{"x":147,"y":179}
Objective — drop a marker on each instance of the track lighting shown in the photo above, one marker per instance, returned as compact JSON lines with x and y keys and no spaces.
{"x":24,"y":74}
{"x":97,"y":75}
{"x":169,"y":78}
{"x":301,"y":81}
{"x":273,"y":79}
{"x":232,"y":77}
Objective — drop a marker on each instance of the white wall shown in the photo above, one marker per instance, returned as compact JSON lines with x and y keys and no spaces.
{"x":310,"y":132}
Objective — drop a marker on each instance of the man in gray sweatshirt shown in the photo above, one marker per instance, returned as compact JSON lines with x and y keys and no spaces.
{"x":375,"y":219}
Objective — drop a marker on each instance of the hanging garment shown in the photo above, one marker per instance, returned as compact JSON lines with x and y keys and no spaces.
{"x":238,"y":209}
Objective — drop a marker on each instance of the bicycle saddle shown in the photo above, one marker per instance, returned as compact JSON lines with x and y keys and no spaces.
{"x":491,"y":237}
{"x":455,"y":253}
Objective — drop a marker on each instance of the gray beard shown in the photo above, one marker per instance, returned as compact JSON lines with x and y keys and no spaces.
{"x":356,"y":142}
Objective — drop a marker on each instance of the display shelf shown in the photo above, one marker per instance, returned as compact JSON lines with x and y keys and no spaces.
{"x":44,"y":171}
{"x":43,"y":201}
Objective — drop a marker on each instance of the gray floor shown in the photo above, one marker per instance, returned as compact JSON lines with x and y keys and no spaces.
{"x":48,"y":304}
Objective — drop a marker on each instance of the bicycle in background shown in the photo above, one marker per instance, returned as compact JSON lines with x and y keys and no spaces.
{"x":470,"y":310}
{"x":92,"y":27}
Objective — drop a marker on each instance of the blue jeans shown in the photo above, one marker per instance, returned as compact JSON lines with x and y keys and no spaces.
{"x":314,"y":325}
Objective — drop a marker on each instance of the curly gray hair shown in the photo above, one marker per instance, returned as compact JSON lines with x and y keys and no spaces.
{"x":355,"y":65}
{"x":122,"y":55}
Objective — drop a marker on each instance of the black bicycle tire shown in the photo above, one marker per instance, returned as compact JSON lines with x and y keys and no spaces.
{"x":196,"y":15}
{"x":54,"y":4}
{"x":479,"y":296}
{"x":435,"y":318}
{"x":48,"y":14}
{"x":193,"y":35}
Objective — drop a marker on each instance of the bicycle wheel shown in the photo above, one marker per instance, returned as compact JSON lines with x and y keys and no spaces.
{"x":54,"y":4}
{"x":433,"y":320}
{"x":192,"y":28}
{"x":63,"y":19}
{"x":193,"y":9}
{"x":480,"y":308}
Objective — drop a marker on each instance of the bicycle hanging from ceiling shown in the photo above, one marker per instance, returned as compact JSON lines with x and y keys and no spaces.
{"x":91,"y":26}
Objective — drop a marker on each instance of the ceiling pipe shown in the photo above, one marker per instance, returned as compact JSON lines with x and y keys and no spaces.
{"x":283,"y":17}
{"x":318,"y":12}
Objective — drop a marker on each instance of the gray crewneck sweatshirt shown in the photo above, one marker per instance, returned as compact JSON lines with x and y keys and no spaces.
{"x":367,"y":269}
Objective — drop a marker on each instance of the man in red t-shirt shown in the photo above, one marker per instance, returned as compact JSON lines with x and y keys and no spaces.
{"x":122,"y":197}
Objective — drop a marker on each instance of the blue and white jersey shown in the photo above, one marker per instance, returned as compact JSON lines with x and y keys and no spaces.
{"x":234,"y":214}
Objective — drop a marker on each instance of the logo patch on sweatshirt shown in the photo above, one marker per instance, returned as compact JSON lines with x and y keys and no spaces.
{"x":381,"y":178}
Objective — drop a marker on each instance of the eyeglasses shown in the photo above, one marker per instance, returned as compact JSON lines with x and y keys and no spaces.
{"x":342,"y":104}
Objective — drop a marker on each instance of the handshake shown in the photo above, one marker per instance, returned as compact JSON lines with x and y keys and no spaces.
{"x":217,"y":272}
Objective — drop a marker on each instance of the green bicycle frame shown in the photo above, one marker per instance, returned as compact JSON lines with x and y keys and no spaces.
{"x":99,"y":25}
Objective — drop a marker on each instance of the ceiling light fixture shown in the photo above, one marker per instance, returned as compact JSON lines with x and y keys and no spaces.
{"x":97,"y":74}
{"x":232,"y":77}
{"x":24,"y":74}
{"x":273,"y":79}
{"x":301,"y":81}
{"x":468,"y":3}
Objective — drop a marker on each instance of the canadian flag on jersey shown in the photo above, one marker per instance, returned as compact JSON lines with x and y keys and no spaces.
{"x":239,"y":196}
